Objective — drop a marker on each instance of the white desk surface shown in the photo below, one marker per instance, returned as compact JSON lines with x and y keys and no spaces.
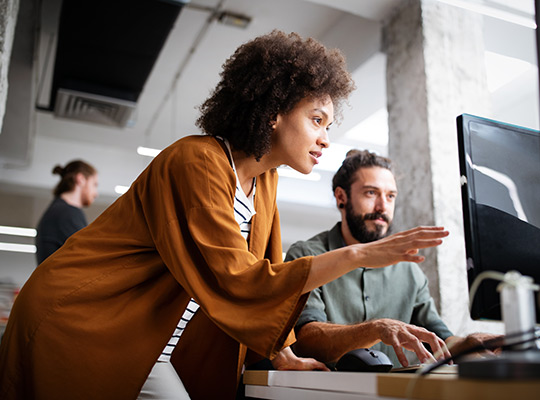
{"x":315,"y":385}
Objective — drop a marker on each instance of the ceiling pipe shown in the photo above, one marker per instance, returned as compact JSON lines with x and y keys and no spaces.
{"x":216,"y":13}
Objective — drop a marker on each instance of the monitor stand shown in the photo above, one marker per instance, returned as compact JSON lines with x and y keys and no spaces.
{"x":512,"y":364}
{"x":522,"y":360}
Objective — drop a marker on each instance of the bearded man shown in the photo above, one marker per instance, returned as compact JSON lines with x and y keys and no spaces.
{"x":388,"y":309}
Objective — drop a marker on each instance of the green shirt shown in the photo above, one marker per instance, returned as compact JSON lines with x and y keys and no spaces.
{"x":399,"y":292}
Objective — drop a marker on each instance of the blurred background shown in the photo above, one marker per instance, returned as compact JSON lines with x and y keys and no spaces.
{"x":117,"y":82}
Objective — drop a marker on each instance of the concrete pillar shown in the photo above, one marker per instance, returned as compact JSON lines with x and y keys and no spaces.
{"x":435,"y":71}
{"x":8,"y":19}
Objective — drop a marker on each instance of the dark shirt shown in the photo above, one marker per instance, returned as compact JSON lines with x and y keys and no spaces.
{"x":59,"y":222}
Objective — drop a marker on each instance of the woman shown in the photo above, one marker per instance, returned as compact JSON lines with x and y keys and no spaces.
{"x":93,"y":319}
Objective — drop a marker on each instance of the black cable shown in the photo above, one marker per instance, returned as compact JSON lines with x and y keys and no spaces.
{"x":490,"y":344}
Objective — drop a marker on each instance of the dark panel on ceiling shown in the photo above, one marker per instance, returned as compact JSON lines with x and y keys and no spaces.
{"x":108,"y":47}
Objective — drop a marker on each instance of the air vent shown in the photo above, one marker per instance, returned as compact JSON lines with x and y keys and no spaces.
{"x":93,"y":108}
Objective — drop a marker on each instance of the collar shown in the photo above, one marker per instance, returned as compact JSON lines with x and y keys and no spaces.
{"x":335,"y":240}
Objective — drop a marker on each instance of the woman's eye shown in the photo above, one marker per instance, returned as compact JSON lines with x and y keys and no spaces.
{"x":317,"y":120}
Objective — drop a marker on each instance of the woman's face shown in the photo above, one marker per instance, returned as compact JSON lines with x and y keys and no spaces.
{"x":301,"y":134}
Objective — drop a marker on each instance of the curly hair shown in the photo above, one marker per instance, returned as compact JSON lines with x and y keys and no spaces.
{"x":266,"y":77}
{"x":354,"y":160}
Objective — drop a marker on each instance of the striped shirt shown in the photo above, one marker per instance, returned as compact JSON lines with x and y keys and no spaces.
{"x":243,"y":213}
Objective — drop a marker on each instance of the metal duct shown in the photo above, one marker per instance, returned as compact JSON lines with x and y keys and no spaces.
{"x":105,"y":53}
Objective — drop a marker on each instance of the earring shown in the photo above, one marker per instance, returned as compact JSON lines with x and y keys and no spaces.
{"x":341,"y":205}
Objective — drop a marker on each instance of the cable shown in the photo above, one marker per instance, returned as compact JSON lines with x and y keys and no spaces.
{"x":511,"y":278}
{"x":484,"y":275}
{"x":214,"y":14}
{"x":490,"y":344}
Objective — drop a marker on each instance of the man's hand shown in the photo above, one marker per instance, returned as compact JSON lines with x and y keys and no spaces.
{"x":328,"y":342}
{"x":400,"y":335}
{"x":458,"y":344}
{"x":287,"y":360}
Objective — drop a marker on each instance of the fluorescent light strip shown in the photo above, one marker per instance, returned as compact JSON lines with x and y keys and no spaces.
{"x":147,"y":151}
{"x":16,"y":231}
{"x":18,"y":248}
{"x":121,"y":189}
{"x":492,"y":12}
{"x":291,"y":173}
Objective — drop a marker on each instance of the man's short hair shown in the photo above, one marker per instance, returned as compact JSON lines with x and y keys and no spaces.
{"x":354,"y":160}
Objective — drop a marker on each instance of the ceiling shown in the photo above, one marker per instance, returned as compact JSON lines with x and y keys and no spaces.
{"x":185,"y":70}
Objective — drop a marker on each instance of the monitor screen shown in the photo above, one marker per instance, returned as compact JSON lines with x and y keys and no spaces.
{"x":500,"y":186}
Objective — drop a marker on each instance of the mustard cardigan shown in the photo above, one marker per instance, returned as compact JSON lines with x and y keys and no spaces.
{"x":93,"y":318}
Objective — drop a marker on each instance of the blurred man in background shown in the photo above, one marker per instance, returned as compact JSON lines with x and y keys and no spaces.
{"x":64,"y":216}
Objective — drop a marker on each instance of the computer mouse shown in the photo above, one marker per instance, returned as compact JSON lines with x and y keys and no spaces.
{"x":364,"y":360}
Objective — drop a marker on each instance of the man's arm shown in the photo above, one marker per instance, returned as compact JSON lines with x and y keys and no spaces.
{"x":328,"y":342}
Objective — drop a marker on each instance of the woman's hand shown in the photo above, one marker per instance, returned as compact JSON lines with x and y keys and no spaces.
{"x":402,"y":246}
{"x":287,"y":360}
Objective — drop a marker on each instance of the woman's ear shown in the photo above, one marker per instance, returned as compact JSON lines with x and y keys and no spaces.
{"x":275,"y":121}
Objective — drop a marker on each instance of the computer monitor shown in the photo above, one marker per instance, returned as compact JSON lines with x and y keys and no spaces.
{"x":500,"y":181}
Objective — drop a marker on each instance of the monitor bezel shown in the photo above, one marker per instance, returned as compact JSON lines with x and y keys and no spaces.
{"x":484,"y":294}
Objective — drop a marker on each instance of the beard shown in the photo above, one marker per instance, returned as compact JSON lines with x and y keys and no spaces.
{"x":358,"y":228}
{"x":86,"y":198}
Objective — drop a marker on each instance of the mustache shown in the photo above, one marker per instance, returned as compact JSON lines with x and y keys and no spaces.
{"x":376,"y":215}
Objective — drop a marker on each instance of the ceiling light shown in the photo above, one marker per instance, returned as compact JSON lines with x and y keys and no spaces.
{"x":121,"y":189}
{"x":147,"y":151}
{"x":18,"y":248}
{"x":16,"y":231}
{"x":232,"y":19}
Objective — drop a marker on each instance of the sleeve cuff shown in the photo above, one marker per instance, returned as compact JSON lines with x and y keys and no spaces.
{"x":310,"y":315}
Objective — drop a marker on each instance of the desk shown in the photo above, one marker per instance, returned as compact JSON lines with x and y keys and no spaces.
{"x":8,"y":292}
{"x":320,"y":385}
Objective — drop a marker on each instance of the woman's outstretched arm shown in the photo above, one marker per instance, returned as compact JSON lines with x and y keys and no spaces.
{"x":402,"y":246}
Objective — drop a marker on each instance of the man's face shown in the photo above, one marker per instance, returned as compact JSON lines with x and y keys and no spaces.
{"x":370,"y":208}
{"x":89,"y":190}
